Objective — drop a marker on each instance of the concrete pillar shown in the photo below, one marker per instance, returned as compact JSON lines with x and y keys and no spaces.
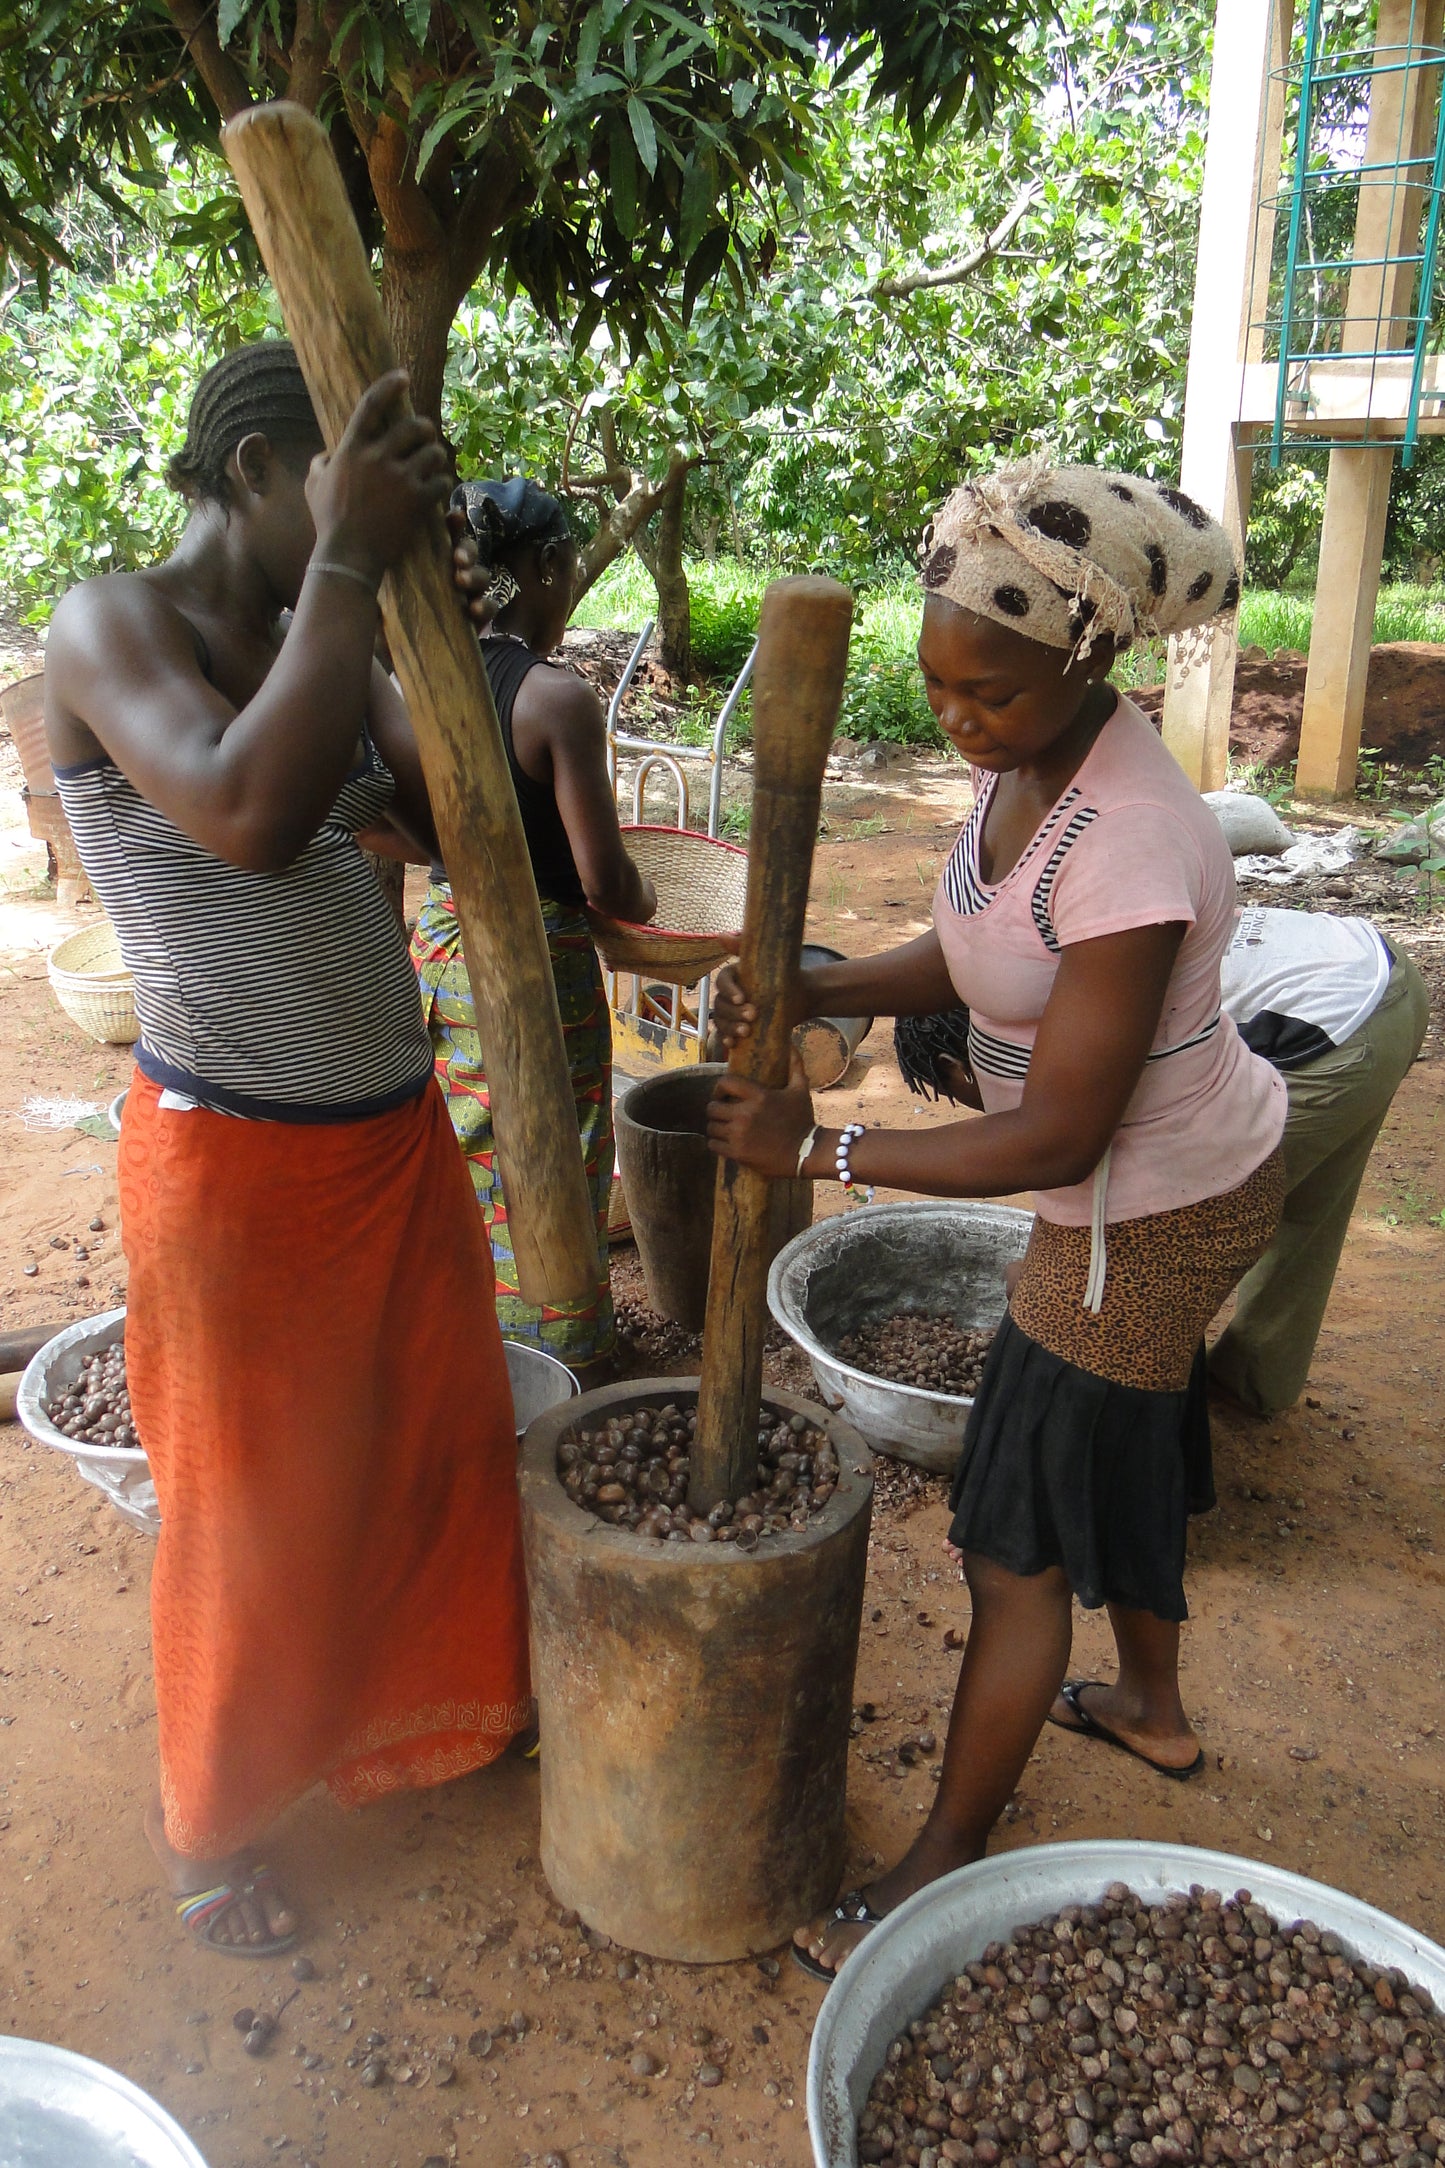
{"x":1236,"y":231}
{"x":1357,"y":502}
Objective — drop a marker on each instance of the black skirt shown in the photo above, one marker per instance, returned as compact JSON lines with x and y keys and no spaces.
{"x":1063,"y":1468}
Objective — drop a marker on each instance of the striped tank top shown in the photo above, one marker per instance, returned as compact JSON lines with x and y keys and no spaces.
{"x":285,"y":997}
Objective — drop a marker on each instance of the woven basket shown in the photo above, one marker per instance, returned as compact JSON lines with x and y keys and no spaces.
{"x":701,"y":888}
{"x":93,"y":986}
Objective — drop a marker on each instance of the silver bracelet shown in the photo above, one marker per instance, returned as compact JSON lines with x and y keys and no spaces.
{"x":343,"y":572}
{"x":803,"y":1150}
{"x":843,"y":1162}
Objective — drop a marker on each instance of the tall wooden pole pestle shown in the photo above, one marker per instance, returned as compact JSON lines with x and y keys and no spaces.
{"x":797,"y":689}
{"x":296,"y":200}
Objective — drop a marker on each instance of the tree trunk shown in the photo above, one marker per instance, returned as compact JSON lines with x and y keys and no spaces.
{"x":420,"y":303}
{"x":674,"y":604}
{"x":626,"y":521}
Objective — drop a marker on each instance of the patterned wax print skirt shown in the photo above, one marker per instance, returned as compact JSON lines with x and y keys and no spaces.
{"x":1088,"y":1444}
{"x":582,"y":1332}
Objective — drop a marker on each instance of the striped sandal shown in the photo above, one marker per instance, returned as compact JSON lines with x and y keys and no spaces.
{"x":202,"y":1912}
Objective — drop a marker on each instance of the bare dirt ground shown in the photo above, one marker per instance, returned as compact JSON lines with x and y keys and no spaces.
{"x":1312,"y":1666}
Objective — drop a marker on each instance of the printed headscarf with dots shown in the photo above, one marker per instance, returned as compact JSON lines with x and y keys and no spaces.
{"x":1066,"y":555}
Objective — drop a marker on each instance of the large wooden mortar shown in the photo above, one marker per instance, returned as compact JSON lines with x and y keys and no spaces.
{"x":695,"y":1703}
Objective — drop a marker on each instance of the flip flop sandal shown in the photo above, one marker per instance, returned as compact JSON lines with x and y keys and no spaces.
{"x":1091,"y":1728}
{"x":201,"y":1913}
{"x":852,"y":1910}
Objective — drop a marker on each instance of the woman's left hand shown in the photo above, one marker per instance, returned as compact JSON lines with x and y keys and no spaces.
{"x":472,"y":580}
{"x":760,"y":1127}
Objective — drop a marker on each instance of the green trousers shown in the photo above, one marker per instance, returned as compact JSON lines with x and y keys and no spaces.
{"x":1336,"y":1106}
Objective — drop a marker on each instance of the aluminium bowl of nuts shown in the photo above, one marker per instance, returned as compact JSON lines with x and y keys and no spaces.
{"x":1351,"y":1959}
{"x":51,"y":1379}
{"x":871,"y":1276}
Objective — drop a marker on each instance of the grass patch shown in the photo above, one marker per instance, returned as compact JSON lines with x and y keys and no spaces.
{"x":883,"y":698}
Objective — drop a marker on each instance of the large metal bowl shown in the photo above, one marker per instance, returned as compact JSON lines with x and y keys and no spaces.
{"x":538,"y":1382}
{"x":61,"y":2110}
{"x":120,"y":1471}
{"x":931,"y":1258}
{"x":899,"y":1969}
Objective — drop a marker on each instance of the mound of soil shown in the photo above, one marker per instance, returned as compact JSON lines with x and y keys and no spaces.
{"x":1404,"y":704}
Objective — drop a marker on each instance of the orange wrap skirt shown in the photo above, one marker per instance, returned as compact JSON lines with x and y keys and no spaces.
{"x":318,"y":1380}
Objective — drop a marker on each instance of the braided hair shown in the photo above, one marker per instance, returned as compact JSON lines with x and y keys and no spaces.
{"x":256,"y":390}
{"x":921,"y":1045}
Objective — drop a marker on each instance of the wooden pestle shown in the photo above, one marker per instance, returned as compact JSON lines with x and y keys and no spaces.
{"x":797,"y":688}
{"x":296,"y":200}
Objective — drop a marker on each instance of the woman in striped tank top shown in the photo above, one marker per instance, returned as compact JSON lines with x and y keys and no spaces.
{"x":1081,"y":918}
{"x":314,"y":1365}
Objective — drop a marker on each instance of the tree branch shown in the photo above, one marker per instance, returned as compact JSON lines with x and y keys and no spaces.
{"x":407,"y":213}
{"x":222,"y":76}
{"x":959,"y":268}
{"x":309,"y":52}
{"x":625,"y":522}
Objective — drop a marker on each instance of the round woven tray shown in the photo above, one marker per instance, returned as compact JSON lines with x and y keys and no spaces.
{"x":93,"y":986}
{"x":701,"y":890}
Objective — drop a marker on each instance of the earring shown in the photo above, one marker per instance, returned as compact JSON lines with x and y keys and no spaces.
{"x":546,"y":579}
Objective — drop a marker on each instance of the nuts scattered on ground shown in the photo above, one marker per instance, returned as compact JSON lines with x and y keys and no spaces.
{"x":633,"y":1472}
{"x":302,"y":1969}
{"x":930,"y":1352}
{"x":96,"y":1408}
{"x":644,"y":2065}
{"x":1196,"y":2029}
{"x":643,"y":1335}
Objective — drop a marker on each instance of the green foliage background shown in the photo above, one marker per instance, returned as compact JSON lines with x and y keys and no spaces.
{"x":826,"y":415}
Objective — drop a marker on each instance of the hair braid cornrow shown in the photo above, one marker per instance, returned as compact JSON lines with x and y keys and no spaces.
{"x":256,"y":390}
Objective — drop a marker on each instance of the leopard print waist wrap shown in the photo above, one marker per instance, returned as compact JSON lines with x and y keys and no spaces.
{"x":1168,"y":1276}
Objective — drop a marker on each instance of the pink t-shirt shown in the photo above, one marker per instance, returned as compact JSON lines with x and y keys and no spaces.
{"x":1130,"y":843}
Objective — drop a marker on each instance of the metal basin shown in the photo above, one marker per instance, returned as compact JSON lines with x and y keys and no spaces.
{"x":59,"y":2110}
{"x":932,"y":1258}
{"x":539,"y":1382}
{"x":122,"y":1473}
{"x":898,"y":1970}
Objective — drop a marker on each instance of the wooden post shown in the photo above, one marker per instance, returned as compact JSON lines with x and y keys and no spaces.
{"x":297,"y":204}
{"x":1357,"y":494}
{"x":1236,"y":232}
{"x":797,"y":688}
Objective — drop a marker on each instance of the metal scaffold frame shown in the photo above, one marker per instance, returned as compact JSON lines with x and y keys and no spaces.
{"x":652,"y":1031}
{"x":1372,"y":304}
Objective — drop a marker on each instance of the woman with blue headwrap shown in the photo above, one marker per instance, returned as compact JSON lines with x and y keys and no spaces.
{"x":554,"y":732}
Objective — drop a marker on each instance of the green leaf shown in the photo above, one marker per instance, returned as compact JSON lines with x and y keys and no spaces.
{"x":589,"y":45}
{"x":699,"y":192}
{"x":228,"y":15}
{"x":622,"y":178}
{"x":703,"y":266}
{"x":644,"y":135}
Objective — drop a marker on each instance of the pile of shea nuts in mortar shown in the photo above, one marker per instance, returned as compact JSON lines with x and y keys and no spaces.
{"x":633,"y":1472}
{"x":1196,"y":2028}
{"x":96,"y":1408}
{"x":931,"y":1352}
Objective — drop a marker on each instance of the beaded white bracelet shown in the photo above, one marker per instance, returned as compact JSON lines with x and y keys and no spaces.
{"x":841,"y":1159}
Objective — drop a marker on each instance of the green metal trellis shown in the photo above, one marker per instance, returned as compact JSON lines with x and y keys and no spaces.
{"x":1308,"y":318}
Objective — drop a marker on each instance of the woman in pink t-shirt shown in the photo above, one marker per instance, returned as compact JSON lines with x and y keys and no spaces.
{"x":1081,"y":917}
